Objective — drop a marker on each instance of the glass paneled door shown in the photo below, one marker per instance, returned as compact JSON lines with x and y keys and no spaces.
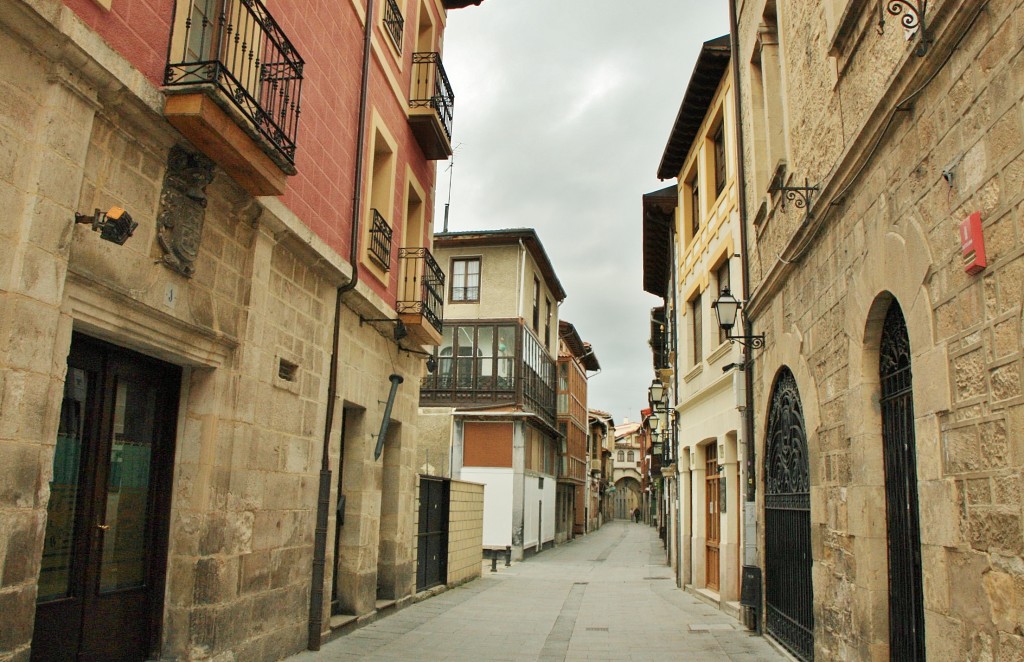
{"x":104,"y":554}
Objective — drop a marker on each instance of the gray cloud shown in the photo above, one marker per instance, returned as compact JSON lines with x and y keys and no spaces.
{"x":563,"y":108}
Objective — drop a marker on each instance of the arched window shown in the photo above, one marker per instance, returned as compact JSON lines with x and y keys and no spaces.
{"x":631,"y":457}
{"x":621,"y":457}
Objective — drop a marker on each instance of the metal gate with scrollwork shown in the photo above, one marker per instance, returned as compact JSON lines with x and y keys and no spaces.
{"x":906,"y":604}
{"x":789,"y":594}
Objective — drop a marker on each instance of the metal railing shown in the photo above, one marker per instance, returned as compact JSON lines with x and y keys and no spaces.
{"x":237,"y":46}
{"x":422,"y":285}
{"x":394,"y":23}
{"x":431,"y":88}
{"x":380,"y":241}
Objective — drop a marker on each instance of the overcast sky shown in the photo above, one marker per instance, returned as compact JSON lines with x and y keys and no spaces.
{"x":562,"y":112}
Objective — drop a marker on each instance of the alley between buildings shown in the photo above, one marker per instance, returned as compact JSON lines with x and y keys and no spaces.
{"x":604,"y":596}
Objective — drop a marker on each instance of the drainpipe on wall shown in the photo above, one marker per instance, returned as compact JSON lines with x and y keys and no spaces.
{"x":750,"y":550}
{"x":316,"y":591}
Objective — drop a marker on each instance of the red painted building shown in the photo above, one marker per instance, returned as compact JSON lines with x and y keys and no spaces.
{"x":217,"y":250}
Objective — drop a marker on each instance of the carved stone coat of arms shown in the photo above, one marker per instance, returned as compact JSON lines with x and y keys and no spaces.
{"x":183,"y":208}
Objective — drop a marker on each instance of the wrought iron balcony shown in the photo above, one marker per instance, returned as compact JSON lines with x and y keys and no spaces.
{"x":234,"y":53}
{"x":431,"y":105}
{"x":421,"y":295}
{"x":394,"y":22}
{"x":380,"y":241}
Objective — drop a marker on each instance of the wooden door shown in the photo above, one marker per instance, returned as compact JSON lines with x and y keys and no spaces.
{"x":101,"y":579}
{"x":713,"y":518}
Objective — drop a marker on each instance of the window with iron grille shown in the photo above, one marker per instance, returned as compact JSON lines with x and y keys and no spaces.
{"x":394,"y":23}
{"x":380,"y":241}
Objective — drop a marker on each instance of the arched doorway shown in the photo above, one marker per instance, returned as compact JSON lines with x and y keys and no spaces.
{"x":906,"y":604}
{"x":789,"y":594}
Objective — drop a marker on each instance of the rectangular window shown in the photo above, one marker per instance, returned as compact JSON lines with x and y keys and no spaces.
{"x":696,"y":329}
{"x":465,"y":279}
{"x":694,"y":185}
{"x":547,"y":324}
{"x":536,"y":305}
{"x":719,"y":158}
{"x":722,"y":275}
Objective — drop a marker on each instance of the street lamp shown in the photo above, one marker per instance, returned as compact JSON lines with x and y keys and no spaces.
{"x":654,"y":420}
{"x":726,"y":308}
{"x":656,"y":392}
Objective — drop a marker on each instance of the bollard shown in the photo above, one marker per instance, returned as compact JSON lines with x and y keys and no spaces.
{"x":508,"y":556}
{"x":494,"y":563}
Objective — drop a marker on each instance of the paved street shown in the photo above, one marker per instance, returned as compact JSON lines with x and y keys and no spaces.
{"x":605,"y":596}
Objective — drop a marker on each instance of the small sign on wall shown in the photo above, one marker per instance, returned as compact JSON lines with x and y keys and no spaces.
{"x":972,"y":244}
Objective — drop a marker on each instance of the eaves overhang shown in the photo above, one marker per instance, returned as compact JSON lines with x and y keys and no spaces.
{"x":659,"y":217}
{"x":712,"y":64}
{"x":503,"y":238}
{"x":582,"y":351}
{"x":459,"y":4}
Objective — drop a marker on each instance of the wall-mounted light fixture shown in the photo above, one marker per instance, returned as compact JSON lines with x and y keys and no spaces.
{"x":114,"y":225}
{"x":726,"y":308}
{"x":656,"y":393}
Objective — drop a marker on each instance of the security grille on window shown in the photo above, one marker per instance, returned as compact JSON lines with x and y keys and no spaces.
{"x":465,"y":279}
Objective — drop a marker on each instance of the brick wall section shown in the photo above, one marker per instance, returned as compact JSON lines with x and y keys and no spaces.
{"x":895,"y":234}
{"x":465,"y":532}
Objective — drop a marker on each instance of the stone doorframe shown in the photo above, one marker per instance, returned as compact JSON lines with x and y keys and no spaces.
{"x":895,"y":268}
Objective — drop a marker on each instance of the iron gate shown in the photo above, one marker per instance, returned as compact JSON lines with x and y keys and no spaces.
{"x":906,"y":606}
{"x":789,"y":594}
{"x":432,"y":538}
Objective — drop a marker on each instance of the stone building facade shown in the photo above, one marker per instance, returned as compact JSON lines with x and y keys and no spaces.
{"x":692,"y":256}
{"x":181,"y":420}
{"x":889,"y":406}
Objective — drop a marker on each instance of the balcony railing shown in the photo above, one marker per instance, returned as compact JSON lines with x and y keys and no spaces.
{"x":380,"y":241}
{"x":394,"y":22}
{"x":237,"y":46}
{"x":431,"y":88}
{"x":422,"y":286}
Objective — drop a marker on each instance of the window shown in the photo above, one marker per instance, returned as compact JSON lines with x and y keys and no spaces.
{"x":465,"y":279}
{"x":697,"y":324}
{"x":536,"y":304}
{"x":694,"y":184}
{"x":769,"y":125}
{"x":719,"y":139}
{"x":621,"y":457}
{"x":630,"y":457}
{"x":722,"y":275}
{"x":475,"y":358}
{"x":547,"y":323}
{"x":563,"y":387}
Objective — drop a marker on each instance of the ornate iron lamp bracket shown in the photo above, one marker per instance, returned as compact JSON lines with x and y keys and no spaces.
{"x":800,"y":196}
{"x":753,"y":342}
{"x":912,"y":16}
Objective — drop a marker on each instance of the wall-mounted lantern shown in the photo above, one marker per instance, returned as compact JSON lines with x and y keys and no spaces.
{"x":726,"y":308}
{"x":114,"y":225}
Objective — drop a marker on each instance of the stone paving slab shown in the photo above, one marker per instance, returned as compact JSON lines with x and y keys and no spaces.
{"x":604,"y":596}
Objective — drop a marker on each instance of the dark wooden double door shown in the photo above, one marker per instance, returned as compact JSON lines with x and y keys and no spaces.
{"x":101,"y":578}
